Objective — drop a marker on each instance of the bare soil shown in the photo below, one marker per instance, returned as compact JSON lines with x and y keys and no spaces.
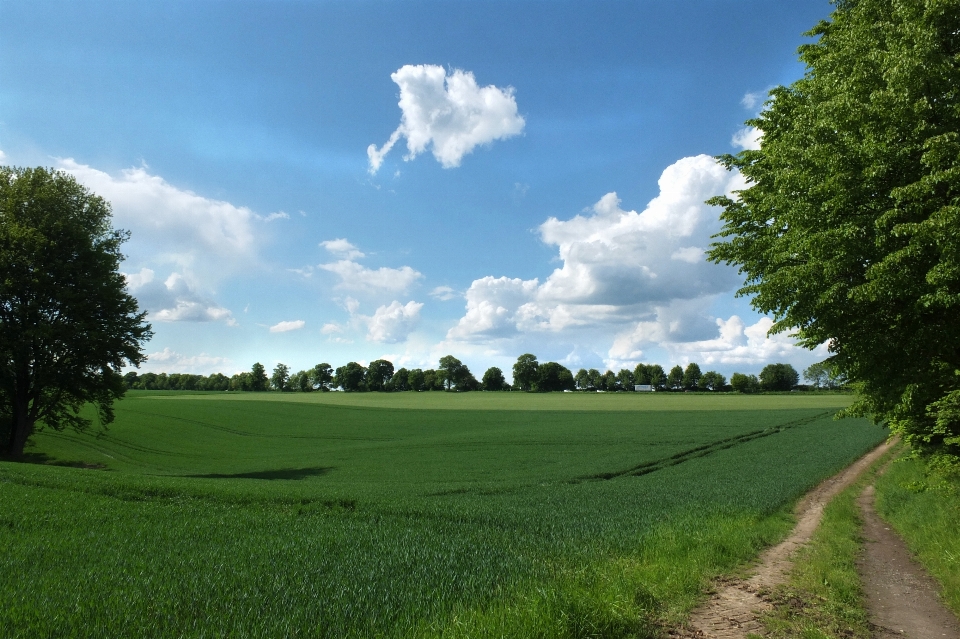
{"x":732,"y":611}
{"x":902,"y":598}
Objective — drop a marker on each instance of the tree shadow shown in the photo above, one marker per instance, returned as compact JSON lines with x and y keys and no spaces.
{"x":280,"y":473}
{"x":44,"y":459}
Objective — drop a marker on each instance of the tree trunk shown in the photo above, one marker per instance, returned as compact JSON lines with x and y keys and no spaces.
{"x":21,"y":426}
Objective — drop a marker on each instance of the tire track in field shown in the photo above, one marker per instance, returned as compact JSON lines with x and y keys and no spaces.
{"x":702,"y":451}
{"x":732,"y":611}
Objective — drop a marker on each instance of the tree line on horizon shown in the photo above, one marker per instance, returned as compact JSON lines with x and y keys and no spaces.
{"x":451,"y":374}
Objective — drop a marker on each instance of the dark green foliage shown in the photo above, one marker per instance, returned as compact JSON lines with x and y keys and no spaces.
{"x":778,"y":377}
{"x":625,"y":380}
{"x":744,"y":383}
{"x":675,"y":378}
{"x":712,"y":380}
{"x":525,"y":372}
{"x":493,"y":380}
{"x":691,"y":377}
{"x":416,"y":380}
{"x":350,"y":377}
{"x":823,"y":375}
{"x":378,"y":375}
{"x":321,"y":376}
{"x":400,"y":380}
{"x":67,"y":324}
{"x":552,"y":376}
{"x":280,"y":380}
{"x":258,"y":377}
{"x":849,"y":232}
{"x":457,"y":375}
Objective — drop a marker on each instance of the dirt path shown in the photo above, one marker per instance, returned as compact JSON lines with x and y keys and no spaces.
{"x":731,"y":612}
{"x":901,"y":598}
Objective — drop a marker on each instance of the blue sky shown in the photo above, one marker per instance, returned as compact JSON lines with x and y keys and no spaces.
{"x":544,"y":192}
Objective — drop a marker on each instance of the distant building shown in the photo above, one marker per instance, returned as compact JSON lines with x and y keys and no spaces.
{"x":643,"y":388}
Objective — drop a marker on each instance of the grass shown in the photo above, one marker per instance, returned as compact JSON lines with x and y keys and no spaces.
{"x":824,"y":596}
{"x":924,"y":508}
{"x":431,"y":514}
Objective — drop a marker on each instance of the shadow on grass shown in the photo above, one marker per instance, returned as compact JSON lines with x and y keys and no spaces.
{"x":280,"y":473}
{"x":46,"y":460}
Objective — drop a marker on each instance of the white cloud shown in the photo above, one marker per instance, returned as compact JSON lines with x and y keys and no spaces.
{"x":617,"y":265}
{"x":174,"y":299}
{"x":748,"y":139}
{"x":394,"y":322}
{"x":356,"y":277}
{"x":444,"y":293}
{"x":330,"y":328}
{"x":169,"y":361}
{"x":284,"y":327}
{"x":3,"y":156}
{"x":753,"y":99}
{"x":451,"y":114}
{"x":277,"y":215}
{"x":342,"y":249}
{"x":138,"y":280}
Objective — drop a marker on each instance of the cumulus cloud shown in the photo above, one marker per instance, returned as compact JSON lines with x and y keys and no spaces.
{"x":394,"y":322}
{"x":444,"y":293}
{"x":169,"y":361}
{"x":284,"y":327}
{"x":451,"y":114}
{"x":174,"y":299}
{"x":342,"y":249}
{"x":618,"y":265}
{"x":748,"y":139}
{"x":356,"y":277}
{"x":753,"y":99}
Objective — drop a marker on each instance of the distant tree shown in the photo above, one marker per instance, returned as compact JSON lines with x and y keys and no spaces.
{"x":280,"y":380}
{"x":378,"y":375}
{"x":609,"y":382}
{"x":641,"y":374}
{"x":552,"y":376}
{"x":455,"y":373}
{"x":691,"y":377}
{"x":625,"y":380}
{"x":595,"y":379}
{"x":258,"y":378}
{"x":744,"y":383}
{"x":241,"y":382}
{"x":350,"y":377}
{"x":582,"y":379}
{"x":525,"y":372}
{"x":778,"y":377}
{"x":823,"y":375}
{"x":415,"y":380}
{"x":712,"y":380}
{"x":493,"y":380}
{"x":321,"y":376}
{"x":399,"y":380}
{"x":675,"y":378}
{"x":431,"y":381}
{"x":658,"y":378}
{"x":300,"y":382}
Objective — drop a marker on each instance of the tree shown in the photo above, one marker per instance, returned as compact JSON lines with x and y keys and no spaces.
{"x":300,"y":381}
{"x":415,"y":380}
{"x":350,"y":377}
{"x":321,"y":376}
{"x":258,"y":377}
{"x":658,"y":378}
{"x":712,"y":380}
{"x":675,"y":378}
{"x":691,"y":377}
{"x":552,"y":376}
{"x":493,"y":380}
{"x":456,"y":373}
{"x":525,"y":372}
{"x":744,"y":383}
{"x":849,"y":231}
{"x":641,"y":374}
{"x":823,"y":375}
{"x":280,"y":380}
{"x":608,"y":382}
{"x":625,"y":379}
{"x":778,"y":377}
{"x":378,"y":375}
{"x":67,"y":323}
{"x":582,"y":379}
{"x":399,"y":380}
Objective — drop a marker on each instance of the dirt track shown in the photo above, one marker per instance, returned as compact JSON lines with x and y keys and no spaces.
{"x":731,"y":612}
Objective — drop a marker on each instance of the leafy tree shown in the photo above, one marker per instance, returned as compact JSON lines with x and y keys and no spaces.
{"x":67,"y":324}
{"x":378,"y":374}
{"x":493,"y":380}
{"x":658,"y":378}
{"x":594,"y":379}
{"x":455,"y":373}
{"x":609,"y":382}
{"x":280,"y":380}
{"x":675,"y":378}
{"x":258,"y":378}
{"x":823,"y":375}
{"x":525,"y":372}
{"x":582,"y":379}
{"x":350,"y":377}
{"x":399,"y":380}
{"x":321,"y":376}
{"x":778,"y":377}
{"x":744,"y":383}
{"x":849,"y":232}
{"x":691,"y":377}
{"x":712,"y":380}
{"x":239,"y":382}
{"x":641,"y":374}
{"x":625,"y":380}
{"x":416,"y":381}
{"x":432,"y":381}
{"x":300,"y":381}
{"x":552,"y":376}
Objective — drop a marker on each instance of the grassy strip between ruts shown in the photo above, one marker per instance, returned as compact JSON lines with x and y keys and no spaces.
{"x":824,"y":595}
{"x":924,"y":508}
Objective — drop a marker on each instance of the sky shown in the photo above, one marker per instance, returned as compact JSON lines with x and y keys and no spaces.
{"x":349,"y":180}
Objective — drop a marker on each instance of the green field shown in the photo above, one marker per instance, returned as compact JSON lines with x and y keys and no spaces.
{"x":407,"y":514}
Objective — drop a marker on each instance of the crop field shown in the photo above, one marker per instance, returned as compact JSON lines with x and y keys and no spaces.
{"x":397,"y":515}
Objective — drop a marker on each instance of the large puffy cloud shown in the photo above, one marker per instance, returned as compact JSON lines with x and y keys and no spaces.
{"x":451,"y":114}
{"x":618,"y":265}
{"x":394,"y":322}
{"x":174,"y":299}
{"x":358,"y":278}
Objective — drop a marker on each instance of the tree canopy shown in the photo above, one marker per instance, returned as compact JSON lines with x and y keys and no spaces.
{"x":67,"y":323}
{"x":848,"y":232}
